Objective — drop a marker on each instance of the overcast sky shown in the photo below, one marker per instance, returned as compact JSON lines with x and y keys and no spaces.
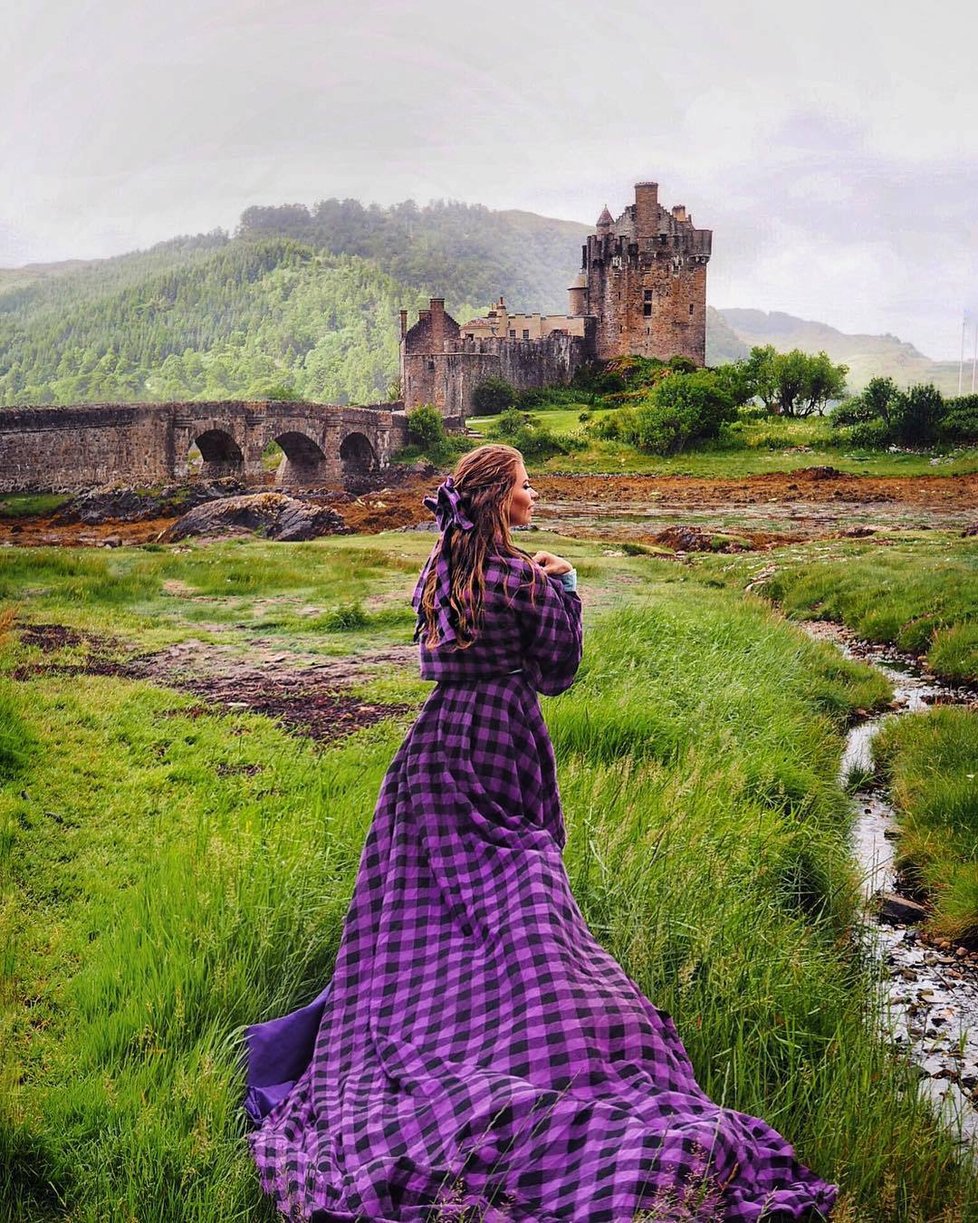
{"x":831,"y":147}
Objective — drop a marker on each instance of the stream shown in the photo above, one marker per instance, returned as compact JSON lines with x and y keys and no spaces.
{"x":929,"y":995}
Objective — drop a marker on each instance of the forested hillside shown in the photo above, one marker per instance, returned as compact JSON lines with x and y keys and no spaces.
{"x":298,"y":303}
{"x":224,"y":319}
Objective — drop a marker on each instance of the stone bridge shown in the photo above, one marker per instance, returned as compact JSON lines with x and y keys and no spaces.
{"x":65,"y":448}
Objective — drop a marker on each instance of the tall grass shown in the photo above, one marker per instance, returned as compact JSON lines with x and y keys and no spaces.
{"x":931,"y":760}
{"x":165,"y":593}
{"x":911,"y":595}
{"x":174,"y":874}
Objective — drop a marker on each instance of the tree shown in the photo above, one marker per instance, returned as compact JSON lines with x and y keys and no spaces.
{"x":879,"y":397}
{"x":825,"y":381}
{"x":794,"y":383}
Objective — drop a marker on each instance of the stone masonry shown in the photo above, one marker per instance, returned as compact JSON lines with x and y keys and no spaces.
{"x":67,"y":448}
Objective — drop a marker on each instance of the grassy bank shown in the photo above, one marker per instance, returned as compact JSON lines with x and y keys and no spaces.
{"x":931,"y":763}
{"x":917,"y":593}
{"x":169,"y":873}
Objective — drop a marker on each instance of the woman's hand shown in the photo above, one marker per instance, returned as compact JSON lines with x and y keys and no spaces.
{"x":552,"y":564}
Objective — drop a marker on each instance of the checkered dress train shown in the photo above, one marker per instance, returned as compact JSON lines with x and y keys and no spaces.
{"x":477,"y":1055}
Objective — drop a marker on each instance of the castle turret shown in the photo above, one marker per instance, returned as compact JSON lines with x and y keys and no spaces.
{"x":605,"y":221}
{"x":575,"y":295}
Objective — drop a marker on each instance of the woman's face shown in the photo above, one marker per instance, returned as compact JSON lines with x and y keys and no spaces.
{"x":523,"y":497}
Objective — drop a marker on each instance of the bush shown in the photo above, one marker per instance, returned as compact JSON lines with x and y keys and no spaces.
{"x":960,"y":420}
{"x":869,"y":435}
{"x":685,"y":408}
{"x":427,"y":435}
{"x":595,"y":378}
{"x":493,"y":395}
{"x":916,"y":415}
{"x":544,"y":397}
{"x":532,"y":439}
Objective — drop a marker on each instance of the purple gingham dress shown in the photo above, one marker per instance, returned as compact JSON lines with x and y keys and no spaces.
{"x":477,"y":1055}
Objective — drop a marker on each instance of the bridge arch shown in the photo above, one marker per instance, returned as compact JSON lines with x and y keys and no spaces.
{"x":359,"y":461}
{"x":220,"y":454}
{"x":304,"y":464}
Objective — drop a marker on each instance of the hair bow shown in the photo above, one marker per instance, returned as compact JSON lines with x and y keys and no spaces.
{"x":446,"y":506}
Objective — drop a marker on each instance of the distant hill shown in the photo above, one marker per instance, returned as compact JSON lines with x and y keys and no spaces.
{"x":866,"y":355}
{"x":304,"y":302}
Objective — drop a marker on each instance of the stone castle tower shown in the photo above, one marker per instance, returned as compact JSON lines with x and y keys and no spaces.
{"x":644,"y":280}
{"x":641,"y":290}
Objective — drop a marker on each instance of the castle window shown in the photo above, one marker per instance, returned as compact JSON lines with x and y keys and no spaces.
{"x":431,"y":366}
{"x":512,"y":333}
{"x":691,"y":309}
{"x":526,"y":333}
{"x":647,"y":309}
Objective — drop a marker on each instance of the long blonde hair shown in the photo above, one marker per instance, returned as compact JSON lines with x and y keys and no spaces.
{"x":484,"y":479}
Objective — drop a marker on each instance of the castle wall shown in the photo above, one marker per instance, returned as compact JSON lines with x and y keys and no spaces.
{"x":523,"y":363}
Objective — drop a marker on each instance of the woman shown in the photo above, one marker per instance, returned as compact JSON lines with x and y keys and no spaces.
{"x":477,"y":1055}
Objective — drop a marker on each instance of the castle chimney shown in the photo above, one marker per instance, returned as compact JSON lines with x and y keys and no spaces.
{"x":679,"y":212}
{"x":437,"y":313}
{"x":403,"y":324}
{"x":646,"y":210}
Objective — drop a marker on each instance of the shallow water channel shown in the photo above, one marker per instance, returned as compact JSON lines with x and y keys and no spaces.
{"x":930,"y":996}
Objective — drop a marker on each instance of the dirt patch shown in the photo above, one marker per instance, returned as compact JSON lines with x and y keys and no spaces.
{"x":812,"y":502}
{"x":305,"y":694}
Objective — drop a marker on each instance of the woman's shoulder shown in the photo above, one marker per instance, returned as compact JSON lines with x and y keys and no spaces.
{"x":515,"y":574}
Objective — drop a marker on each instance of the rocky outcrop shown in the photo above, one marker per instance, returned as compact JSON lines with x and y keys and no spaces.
{"x":271,"y":515}
{"x":137,"y":505}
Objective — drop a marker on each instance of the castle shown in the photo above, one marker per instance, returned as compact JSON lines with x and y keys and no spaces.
{"x":641,"y":290}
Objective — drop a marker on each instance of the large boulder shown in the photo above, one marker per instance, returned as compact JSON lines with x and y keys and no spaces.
{"x":271,"y":515}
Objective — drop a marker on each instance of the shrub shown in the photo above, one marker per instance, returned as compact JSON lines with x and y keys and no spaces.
{"x":532,"y":439}
{"x":427,"y":435}
{"x":685,"y":408}
{"x":960,"y":420}
{"x":916,"y":415}
{"x":598,"y":379}
{"x":493,"y":395}
{"x":549,"y":397}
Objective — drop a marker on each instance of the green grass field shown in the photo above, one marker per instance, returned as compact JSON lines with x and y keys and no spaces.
{"x":169,"y":873}
{"x":754,"y":445}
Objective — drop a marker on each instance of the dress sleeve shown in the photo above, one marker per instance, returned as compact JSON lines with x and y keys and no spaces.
{"x":549,"y":618}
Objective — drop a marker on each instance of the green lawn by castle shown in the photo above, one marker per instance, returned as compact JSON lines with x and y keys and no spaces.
{"x":755,"y":446}
{"x":167,"y":874}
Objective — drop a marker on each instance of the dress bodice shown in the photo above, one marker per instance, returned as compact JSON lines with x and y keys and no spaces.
{"x":529,"y":623}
